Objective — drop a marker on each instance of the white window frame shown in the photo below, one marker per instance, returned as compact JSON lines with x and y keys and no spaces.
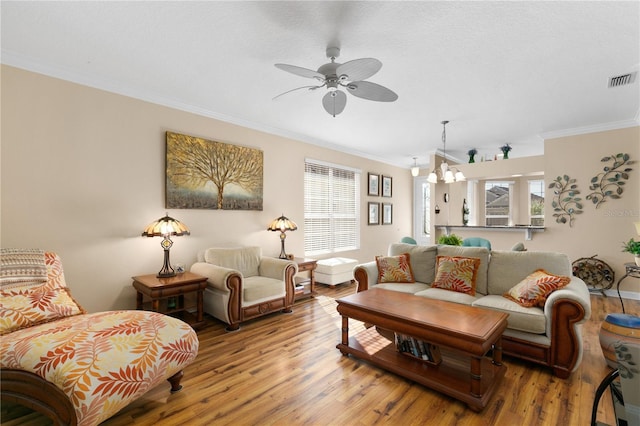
{"x":321,"y":239}
{"x":422,"y":210}
{"x":529,"y":192}
{"x":509,"y":215}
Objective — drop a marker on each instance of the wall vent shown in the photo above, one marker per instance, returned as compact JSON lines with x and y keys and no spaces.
{"x":622,"y":80}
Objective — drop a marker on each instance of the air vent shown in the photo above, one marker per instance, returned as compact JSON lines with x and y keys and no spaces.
{"x":622,"y":80}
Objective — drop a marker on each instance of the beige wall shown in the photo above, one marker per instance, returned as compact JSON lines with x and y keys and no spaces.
{"x":83,"y":173}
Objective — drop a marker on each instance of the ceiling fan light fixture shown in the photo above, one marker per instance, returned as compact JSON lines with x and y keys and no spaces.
{"x":352,"y":75}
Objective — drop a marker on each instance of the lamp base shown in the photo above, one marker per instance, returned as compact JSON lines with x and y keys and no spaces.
{"x":166,"y":271}
{"x":283,"y":255}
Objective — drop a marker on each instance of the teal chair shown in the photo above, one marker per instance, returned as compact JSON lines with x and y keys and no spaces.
{"x":408,"y":240}
{"x":476,"y":242}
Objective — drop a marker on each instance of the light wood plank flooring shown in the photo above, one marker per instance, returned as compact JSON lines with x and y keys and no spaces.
{"x":284,"y":369}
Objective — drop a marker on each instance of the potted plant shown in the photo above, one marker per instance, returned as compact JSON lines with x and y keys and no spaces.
{"x":632,"y":247}
{"x":505,"y":151}
{"x":450,"y":240}
{"x":472,"y":154}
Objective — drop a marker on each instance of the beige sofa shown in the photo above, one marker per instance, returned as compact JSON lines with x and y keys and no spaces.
{"x":551,"y":336}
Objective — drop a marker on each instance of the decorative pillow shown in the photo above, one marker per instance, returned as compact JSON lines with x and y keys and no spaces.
{"x":395,"y":269}
{"x":456,"y":273}
{"x":20,"y":267}
{"x":534,"y":289}
{"x":27,"y":307}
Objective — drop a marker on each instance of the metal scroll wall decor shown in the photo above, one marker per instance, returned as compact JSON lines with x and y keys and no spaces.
{"x":610,"y":183}
{"x":565,"y":202}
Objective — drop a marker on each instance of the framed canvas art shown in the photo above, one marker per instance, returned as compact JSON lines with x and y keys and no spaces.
{"x":205,"y":174}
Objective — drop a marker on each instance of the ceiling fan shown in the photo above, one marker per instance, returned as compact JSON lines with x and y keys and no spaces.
{"x":350,"y":75}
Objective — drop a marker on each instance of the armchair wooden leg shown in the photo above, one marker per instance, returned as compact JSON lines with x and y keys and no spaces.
{"x":287,"y":310}
{"x":232,"y":327}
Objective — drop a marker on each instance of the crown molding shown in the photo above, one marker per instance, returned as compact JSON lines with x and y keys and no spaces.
{"x":603,"y":127}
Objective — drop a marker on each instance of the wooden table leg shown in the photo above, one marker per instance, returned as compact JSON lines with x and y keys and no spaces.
{"x":155,"y":305}
{"x":200,"y":307}
{"x":476,"y":376}
{"x":497,"y":352}
{"x":345,"y":330}
{"x":139,"y":301}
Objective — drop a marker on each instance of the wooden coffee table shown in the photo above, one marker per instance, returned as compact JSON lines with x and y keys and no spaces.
{"x":464,"y":334}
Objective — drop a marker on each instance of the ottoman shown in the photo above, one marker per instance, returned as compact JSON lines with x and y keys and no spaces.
{"x":335,"y":270}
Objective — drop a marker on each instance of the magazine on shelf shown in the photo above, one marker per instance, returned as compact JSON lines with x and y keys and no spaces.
{"x":418,"y":348}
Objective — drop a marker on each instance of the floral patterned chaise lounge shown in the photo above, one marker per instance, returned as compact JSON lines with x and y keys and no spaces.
{"x":74,"y":367}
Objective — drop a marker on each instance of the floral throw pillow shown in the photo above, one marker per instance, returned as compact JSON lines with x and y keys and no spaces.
{"x":535,"y":288}
{"x":395,"y":269}
{"x":456,"y":273}
{"x":21,"y":308}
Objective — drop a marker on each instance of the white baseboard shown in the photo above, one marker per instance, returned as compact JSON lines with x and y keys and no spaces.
{"x":632,"y":295}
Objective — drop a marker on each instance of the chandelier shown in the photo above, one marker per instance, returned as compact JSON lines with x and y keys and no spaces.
{"x":446,"y":172}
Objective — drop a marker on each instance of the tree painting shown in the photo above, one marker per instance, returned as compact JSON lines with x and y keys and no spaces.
{"x":204,"y":174}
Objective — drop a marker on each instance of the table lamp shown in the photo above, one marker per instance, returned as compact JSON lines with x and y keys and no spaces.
{"x":165,"y":227}
{"x":282,"y":224}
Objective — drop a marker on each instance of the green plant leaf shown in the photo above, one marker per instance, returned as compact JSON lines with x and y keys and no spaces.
{"x":605,"y":159}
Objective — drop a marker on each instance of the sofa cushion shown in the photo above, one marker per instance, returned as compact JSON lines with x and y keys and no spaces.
{"x":257,"y":289}
{"x":508,"y":268}
{"x":246,"y":260}
{"x":456,"y":273}
{"x":394,"y":269}
{"x":410,"y":288}
{"x":530,"y":320}
{"x":480,"y":252}
{"x":449,"y":296}
{"x":26,"y":307}
{"x":535,"y":288}
{"x":423,"y":260}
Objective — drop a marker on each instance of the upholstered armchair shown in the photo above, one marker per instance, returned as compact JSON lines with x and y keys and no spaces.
{"x":242,"y":284}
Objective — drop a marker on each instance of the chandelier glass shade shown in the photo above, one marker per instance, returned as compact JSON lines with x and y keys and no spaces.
{"x":415,"y":170}
{"x":447,"y":174}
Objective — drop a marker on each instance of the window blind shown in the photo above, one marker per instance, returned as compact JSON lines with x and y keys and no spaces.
{"x":331,"y":214}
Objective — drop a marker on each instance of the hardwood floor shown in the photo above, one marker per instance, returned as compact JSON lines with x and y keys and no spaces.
{"x":285,"y":369}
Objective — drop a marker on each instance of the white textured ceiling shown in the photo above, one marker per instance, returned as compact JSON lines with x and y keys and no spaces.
{"x":498,"y":71}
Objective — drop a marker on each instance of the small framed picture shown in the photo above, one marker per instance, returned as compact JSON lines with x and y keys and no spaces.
{"x":374,"y":214}
{"x":387,"y":213}
{"x":374,"y":184}
{"x":387,"y":183}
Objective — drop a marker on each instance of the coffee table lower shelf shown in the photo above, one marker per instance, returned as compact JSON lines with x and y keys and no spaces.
{"x":451,"y":377}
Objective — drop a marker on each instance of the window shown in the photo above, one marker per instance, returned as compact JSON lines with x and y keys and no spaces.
{"x":331,"y":213}
{"x":536,"y":202}
{"x":497,"y":203}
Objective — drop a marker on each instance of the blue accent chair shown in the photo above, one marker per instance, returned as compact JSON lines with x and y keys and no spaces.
{"x":476,"y":242}
{"x":408,"y":240}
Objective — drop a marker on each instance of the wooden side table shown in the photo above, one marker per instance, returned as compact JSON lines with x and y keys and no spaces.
{"x":304,"y":265}
{"x":164,"y":289}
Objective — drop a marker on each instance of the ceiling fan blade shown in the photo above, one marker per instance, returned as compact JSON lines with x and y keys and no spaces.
{"x":358,"y":69}
{"x":371,"y":91}
{"x":334,"y":102}
{"x":297,"y":88}
{"x":302,"y":72}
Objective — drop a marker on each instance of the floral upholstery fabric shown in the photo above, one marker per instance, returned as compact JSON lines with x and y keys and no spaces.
{"x":535,"y":288}
{"x":28,"y":305}
{"x":456,"y":273}
{"x":101,"y":361}
{"x":395,"y":269}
